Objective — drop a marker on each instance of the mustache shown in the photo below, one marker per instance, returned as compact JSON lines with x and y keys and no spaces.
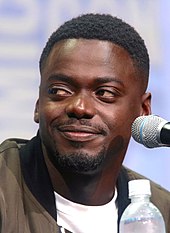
{"x":83,"y":122}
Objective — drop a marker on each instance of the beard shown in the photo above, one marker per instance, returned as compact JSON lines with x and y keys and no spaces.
{"x":78,"y":162}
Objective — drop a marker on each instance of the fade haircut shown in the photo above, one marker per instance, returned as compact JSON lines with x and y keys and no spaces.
{"x":102,"y":27}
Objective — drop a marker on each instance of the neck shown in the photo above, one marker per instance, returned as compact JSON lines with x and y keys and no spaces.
{"x":96,"y":189}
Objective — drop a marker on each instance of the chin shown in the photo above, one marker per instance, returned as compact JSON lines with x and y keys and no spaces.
{"x":79,"y":162}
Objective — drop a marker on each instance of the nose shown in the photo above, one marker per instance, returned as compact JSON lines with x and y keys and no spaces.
{"x":81,"y":106}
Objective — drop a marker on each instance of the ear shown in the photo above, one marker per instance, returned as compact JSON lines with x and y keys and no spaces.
{"x":36,"y":112}
{"x":146,"y":104}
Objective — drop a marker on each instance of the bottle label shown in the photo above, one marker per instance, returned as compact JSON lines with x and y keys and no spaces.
{"x":137,"y":219}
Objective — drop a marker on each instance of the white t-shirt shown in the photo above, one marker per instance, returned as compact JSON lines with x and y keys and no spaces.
{"x":79,"y":218}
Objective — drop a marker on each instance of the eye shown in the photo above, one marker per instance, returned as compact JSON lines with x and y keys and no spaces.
{"x":106,"y":94}
{"x":59,"y":92}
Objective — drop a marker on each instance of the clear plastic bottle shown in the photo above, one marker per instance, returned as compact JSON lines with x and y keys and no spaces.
{"x":141,"y":216}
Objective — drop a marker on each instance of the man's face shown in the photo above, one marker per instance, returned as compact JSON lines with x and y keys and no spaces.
{"x":89,"y":96}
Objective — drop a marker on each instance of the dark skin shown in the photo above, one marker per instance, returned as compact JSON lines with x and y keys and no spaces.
{"x":90,"y":93}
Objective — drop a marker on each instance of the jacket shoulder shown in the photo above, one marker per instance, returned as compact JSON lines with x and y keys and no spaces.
{"x":156,"y":187}
{"x":12,"y":143}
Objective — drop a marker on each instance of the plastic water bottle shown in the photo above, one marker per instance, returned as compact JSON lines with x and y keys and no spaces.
{"x":141,"y":216}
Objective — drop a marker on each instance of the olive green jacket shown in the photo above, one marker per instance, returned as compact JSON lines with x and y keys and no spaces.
{"x":27,"y":202}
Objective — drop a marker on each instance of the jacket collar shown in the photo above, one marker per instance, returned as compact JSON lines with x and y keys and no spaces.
{"x":37,"y":179}
{"x":36,"y":175}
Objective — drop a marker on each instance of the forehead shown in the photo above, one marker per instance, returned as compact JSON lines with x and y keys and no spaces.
{"x":85,"y":52}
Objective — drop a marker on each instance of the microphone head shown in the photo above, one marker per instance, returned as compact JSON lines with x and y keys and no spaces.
{"x":146,"y":130}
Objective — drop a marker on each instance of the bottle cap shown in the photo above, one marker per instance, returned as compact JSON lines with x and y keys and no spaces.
{"x":139,"y":187}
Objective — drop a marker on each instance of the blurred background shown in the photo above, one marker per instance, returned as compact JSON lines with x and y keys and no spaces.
{"x":25,"y":26}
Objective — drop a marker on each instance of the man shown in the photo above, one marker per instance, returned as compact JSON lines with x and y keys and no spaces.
{"x":94,"y":74}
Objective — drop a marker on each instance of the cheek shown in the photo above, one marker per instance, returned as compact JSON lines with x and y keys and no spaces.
{"x":119,"y":121}
{"x":116,"y":150}
{"x":50,"y":111}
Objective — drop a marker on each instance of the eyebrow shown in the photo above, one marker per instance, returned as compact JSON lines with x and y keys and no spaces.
{"x":61,"y":77}
{"x":107,"y":79}
{"x":98,"y":80}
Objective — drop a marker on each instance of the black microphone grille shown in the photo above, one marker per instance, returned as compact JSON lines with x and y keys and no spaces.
{"x":146,"y":130}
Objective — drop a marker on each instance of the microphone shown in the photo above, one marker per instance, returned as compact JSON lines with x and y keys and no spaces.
{"x":151,"y":131}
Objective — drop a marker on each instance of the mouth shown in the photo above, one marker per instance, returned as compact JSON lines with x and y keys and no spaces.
{"x":79,"y":133}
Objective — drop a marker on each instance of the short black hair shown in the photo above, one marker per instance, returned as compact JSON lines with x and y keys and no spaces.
{"x":102,"y":27}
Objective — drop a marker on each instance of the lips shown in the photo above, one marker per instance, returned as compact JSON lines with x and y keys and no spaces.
{"x":79,"y":133}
